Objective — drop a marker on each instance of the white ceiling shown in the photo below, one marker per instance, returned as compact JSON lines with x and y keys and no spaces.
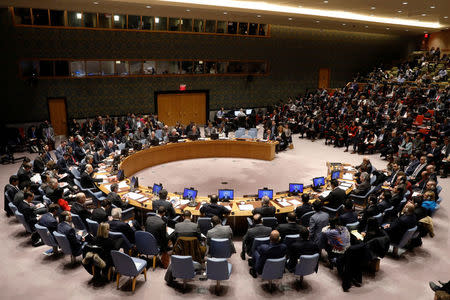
{"x":412,"y":11}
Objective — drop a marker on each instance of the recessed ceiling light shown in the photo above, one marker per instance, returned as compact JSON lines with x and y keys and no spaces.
{"x":373,"y":7}
{"x":366,"y":26}
{"x":188,"y":10}
{"x":300,"y":6}
{"x":432,"y":6}
{"x":406,"y":30}
{"x":445,"y":17}
{"x":405,"y":3}
{"x":156,"y":20}
{"x":116,"y":18}
{"x":225,"y":13}
{"x":290,"y":19}
{"x":95,"y":2}
{"x":317,"y":21}
{"x":325,"y":1}
{"x":148,"y":6}
{"x":423,"y":15}
{"x":258,"y":16}
{"x":79,"y":16}
{"x":343,"y":24}
{"x":399,"y":11}
{"x":387,"y":28}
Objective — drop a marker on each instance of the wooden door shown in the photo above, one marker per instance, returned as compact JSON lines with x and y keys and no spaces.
{"x":58,"y":115}
{"x":184,"y":107}
{"x":324,"y":78}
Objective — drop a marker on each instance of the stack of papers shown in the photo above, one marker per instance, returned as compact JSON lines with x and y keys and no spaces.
{"x":284,"y":203}
{"x":101,"y":176}
{"x":134,"y":196}
{"x":245,"y":207}
{"x":295,"y":202}
{"x":325,"y":193}
{"x":122,"y":185}
{"x":227,"y":207}
{"x":36,"y":178}
{"x":349,"y":168}
{"x":347,"y":176}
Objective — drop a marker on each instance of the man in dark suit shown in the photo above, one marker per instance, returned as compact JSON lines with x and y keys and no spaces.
{"x":406,"y":221}
{"x":10,"y":189}
{"x":114,"y":198}
{"x":370,"y":211}
{"x":275,"y":249}
{"x":302,"y":246}
{"x":100,"y":214}
{"x":363,"y":187}
{"x":291,"y":227}
{"x":413,"y":163}
{"x":186,"y":228}
{"x":336,"y":197}
{"x":170,"y":211}
{"x":258,"y":230}
{"x":265,"y":210}
{"x":25,"y":207}
{"x":213,"y":209}
{"x":65,"y":227}
{"x":79,"y":208}
{"x":385,"y":200}
{"x":63,"y":166}
{"x":117,"y":225}
{"x":49,"y":219}
{"x":415,"y":176}
{"x":99,"y":156}
{"x":305,"y":207}
{"x":158,"y":228}
{"x":86,"y":179}
{"x":24,"y":174}
{"x":39,"y":163}
{"x":349,"y":216}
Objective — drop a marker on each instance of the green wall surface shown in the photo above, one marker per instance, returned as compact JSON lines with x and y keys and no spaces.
{"x":295,"y":56}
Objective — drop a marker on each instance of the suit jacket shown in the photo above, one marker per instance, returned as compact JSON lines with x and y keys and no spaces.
{"x":335,"y":198}
{"x":99,"y":215}
{"x":299,"y":248}
{"x":186,"y":228}
{"x":268,"y":251}
{"x":158,"y":228}
{"x":214,"y":209}
{"x":38,"y":165}
{"x":288,"y":228}
{"x":79,"y":153}
{"x":24,"y":178}
{"x":317,"y":221}
{"x":49,"y":221}
{"x":28,"y":213}
{"x":120,"y":226}
{"x":265,"y":211}
{"x":11,"y":191}
{"x":62,"y":165}
{"x":74,"y":239}
{"x":80,"y":210}
{"x":115,"y":199}
{"x":170,"y":212}
{"x":362,"y":188}
{"x":400,"y":226}
{"x":258,"y":231}
{"x":87,"y":182}
{"x":303,"y":209}
{"x":348,"y":217}
{"x":221,"y":232}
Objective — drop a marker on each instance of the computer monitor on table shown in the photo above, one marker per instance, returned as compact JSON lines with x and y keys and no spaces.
{"x":193,"y":137}
{"x":173,"y":138}
{"x":214,"y":136}
{"x":335,"y":174}
{"x":295,"y":188}
{"x":120,"y":175}
{"x":134,"y":183}
{"x":236,"y":113}
{"x":226,"y":195}
{"x":248,"y":111}
{"x":189,"y":193}
{"x":318,"y":182}
{"x":156,"y":188}
{"x":265,"y":192}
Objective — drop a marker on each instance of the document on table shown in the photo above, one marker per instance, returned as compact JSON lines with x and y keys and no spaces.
{"x":227,"y":207}
{"x":349,"y":168}
{"x":170,"y":230}
{"x":133,"y":196}
{"x":142,"y":199}
{"x":36,"y":178}
{"x":284,"y":203}
{"x":245,"y":207}
{"x":344,"y":187}
{"x":101,"y":176}
{"x":347,"y":176}
{"x":295,"y":202}
{"x":122,"y":185}
{"x":325,"y":193}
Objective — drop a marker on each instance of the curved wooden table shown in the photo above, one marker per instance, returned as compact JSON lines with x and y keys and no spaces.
{"x":196,"y":149}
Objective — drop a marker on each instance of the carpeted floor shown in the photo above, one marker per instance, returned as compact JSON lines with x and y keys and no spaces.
{"x":26,"y":273}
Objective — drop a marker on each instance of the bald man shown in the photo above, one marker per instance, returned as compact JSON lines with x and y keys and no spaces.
{"x":264,"y":252}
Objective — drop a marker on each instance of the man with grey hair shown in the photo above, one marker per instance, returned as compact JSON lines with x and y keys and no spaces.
{"x":265,"y":210}
{"x":80,"y":209}
{"x":363,"y":187}
{"x":117,"y":225}
{"x":114,"y":198}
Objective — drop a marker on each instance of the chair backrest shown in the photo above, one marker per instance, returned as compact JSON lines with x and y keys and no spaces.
{"x":305,"y":218}
{"x":151,"y":213}
{"x":92,"y":227}
{"x":259,"y":241}
{"x":75,"y":173}
{"x":128,"y":214}
{"x":47,"y":200}
{"x":379,"y":218}
{"x":126,"y":245}
{"x":406,"y":237}
{"x":158,"y":134}
{"x":204,"y":224}
{"x":78,"y":183}
{"x":220,"y":248}
{"x":388,"y":212}
{"x":63,"y":243}
{"x":438,"y":189}
{"x":121,"y":146}
{"x":123,"y":263}
{"x":12,"y":207}
{"x":307,"y":264}
{"x":77,"y":222}
{"x":270,"y":222}
{"x":218,"y":269}
{"x":21,"y":219}
{"x":273,"y":268}
{"x":182,"y":267}
{"x":352,"y":226}
{"x":290,"y":238}
{"x":46,"y":236}
{"x":143,"y":141}
{"x":146,"y":243}
{"x":239,"y":133}
{"x":373,"y":179}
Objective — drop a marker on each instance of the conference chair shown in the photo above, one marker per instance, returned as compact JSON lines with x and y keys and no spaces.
{"x":403,"y":241}
{"x":92,"y":227}
{"x":47,"y":200}
{"x":271,"y":222}
{"x":258,"y":241}
{"x":379,"y":218}
{"x":220,"y":248}
{"x":97,"y":198}
{"x":182,"y":267}
{"x":373,"y":178}
{"x":218,"y":269}
{"x":12,"y":207}
{"x":47,"y":238}
{"x":290,"y":238}
{"x":304,"y":220}
{"x":121,"y":146}
{"x":362,"y":199}
{"x":333,"y":211}
{"x":64,"y":244}
{"x":21,"y":219}
{"x":307,"y":264}
{"x":438,"y":189}
{"x":77,"y":222}
{"x":128,"y":214}
{"x":146,"y":244}
{"x":239,"y":133}
{"x":158,"y":134}
{"x":76,"y":173}
{"x":204,"y":224}
{"x":402,"y":204}
{"x":126,"y":245}
{"x":143,"y":141}
{"x":78,"y":183}
{"x":250,"y":222}
{"x":273,"y":269}
{"x":253,"y":133}
{"x":388,"y":213}
{"x":128,"y":266}
{"x":352,"y":226}
{"x":439,"y":200}
{"x":151,"y":214}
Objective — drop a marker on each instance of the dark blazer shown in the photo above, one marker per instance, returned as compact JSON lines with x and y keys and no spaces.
{"x":79,"y":153}
{"x":298,"y":248}
{"x":362,"y":188}
{"x":335,"y":198}
{"x":99,"y":215}
{"x":214,"y":209}
{"x":186,"y":228}
{"x":87,"y":182}
{"x":80,"y":210}
{"x":74,"y":239}
{"x":303,"y":209}
{"x":170,"y":212}
{"x":288,"y":228}
{"x":49,"y":221}
{"x":411,"y":167}
{"x":38,"y":165}
{"x":269,"y":251}
{"x":28,"y":213}
{"x":115,"y":199}
{"x":62,"y":166}
{"x":158,"y":228}
{"x":348,"y":217}
{"x":24,"y":178}
{"x":119,"y":226}
{"x":383,"y":205}
{"x":258,"y":231}
{"x":400,"y":226}
{"x":265,"y":211}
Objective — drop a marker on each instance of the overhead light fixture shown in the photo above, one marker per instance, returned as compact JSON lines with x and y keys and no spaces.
{"x":116,"y":18}
{"x":405,"y":3}
{"x":156,"y":20}
{"x":188,"y":10}
{"x":387,"y":28}
{"x":399,"y":11}
{"x":148,"y":6}
{"x":95,"y":3}
{"x":343,"y":24}
{"x":79,"y":16}
{"x":290,"y":19}
{"x":225,"y":13}
{"x":366,"y":26}
{"x":118,"y":62}
{"x":445,"y":17}
{"x":406,"y":29}
{"x":373,"y":7}
{"x":336,"y":14}
{"x":432,"y":6}
{"x":317,"y":21}
{"x":258,"y":16}
{"x":326,"y":2}
{"x":423,"y":15}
